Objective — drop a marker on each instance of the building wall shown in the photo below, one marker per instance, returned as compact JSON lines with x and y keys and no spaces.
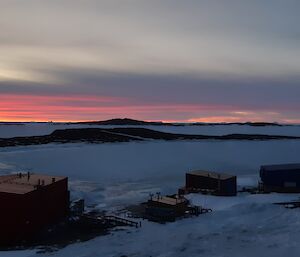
{"x":203,"y":182}
{"x":229,"y":187}
{"x":280,"y":180}
{"x":223,"y":187}
{"x":26,"y":214}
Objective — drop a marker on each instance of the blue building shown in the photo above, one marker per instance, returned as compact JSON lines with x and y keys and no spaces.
{"x":281,"y":178}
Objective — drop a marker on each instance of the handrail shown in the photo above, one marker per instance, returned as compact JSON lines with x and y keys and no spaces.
{"x":122,"y":220}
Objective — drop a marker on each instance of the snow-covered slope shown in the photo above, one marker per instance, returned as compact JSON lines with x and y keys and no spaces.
{"x":110,"y":176}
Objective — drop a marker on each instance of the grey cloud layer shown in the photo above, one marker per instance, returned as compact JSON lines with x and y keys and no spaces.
{"x":234,"y":52}
{"x":215,"y":37}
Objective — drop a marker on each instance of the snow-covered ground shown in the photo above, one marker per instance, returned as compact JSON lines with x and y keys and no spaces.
{"x":111,"y":176}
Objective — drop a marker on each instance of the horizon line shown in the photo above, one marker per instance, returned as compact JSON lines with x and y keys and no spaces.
{"x":158,"y":121}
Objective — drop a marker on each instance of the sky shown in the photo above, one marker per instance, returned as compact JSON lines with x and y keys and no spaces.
{"x":169,"y":60}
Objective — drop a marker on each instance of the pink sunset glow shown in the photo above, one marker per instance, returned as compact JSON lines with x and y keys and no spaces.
{"x":16,"y":107}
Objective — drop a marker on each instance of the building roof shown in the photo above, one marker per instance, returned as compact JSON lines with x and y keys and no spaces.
{"x":210,"y":174}
{"x":290,"y":166}
{"x":168,"y":200}
{"x":22,"y":183}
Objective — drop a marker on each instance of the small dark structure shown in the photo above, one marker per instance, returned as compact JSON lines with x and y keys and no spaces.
{"x":283,"y":178}
{"x":166,"y":209}
{"x":77,"y":207}
{"x":210,"y":182}
{"x":30,"y":202}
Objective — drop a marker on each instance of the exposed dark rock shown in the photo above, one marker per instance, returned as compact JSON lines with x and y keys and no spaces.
{"x":100,"y":135}
{"x":124,"y":121}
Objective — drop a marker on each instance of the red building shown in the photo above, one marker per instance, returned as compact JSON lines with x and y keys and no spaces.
{"x":210,"y":182}
{"x":30,"y":202}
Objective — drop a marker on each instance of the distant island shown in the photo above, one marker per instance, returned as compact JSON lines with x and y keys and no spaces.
{"x":124,"y":121}
{"x":133,"y":122}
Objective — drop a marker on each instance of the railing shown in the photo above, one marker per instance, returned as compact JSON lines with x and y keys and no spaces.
{"x":123,"y":221}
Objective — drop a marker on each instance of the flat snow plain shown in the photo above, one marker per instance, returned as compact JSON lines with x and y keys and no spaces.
{"x":111,"y":176}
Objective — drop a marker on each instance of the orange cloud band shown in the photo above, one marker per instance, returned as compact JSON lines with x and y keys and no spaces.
{"x":16,"y":107}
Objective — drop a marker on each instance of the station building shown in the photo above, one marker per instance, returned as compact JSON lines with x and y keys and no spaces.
{"x":30,"y":202}
{"x":210,"y":182}
{"x":283,"y":178}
